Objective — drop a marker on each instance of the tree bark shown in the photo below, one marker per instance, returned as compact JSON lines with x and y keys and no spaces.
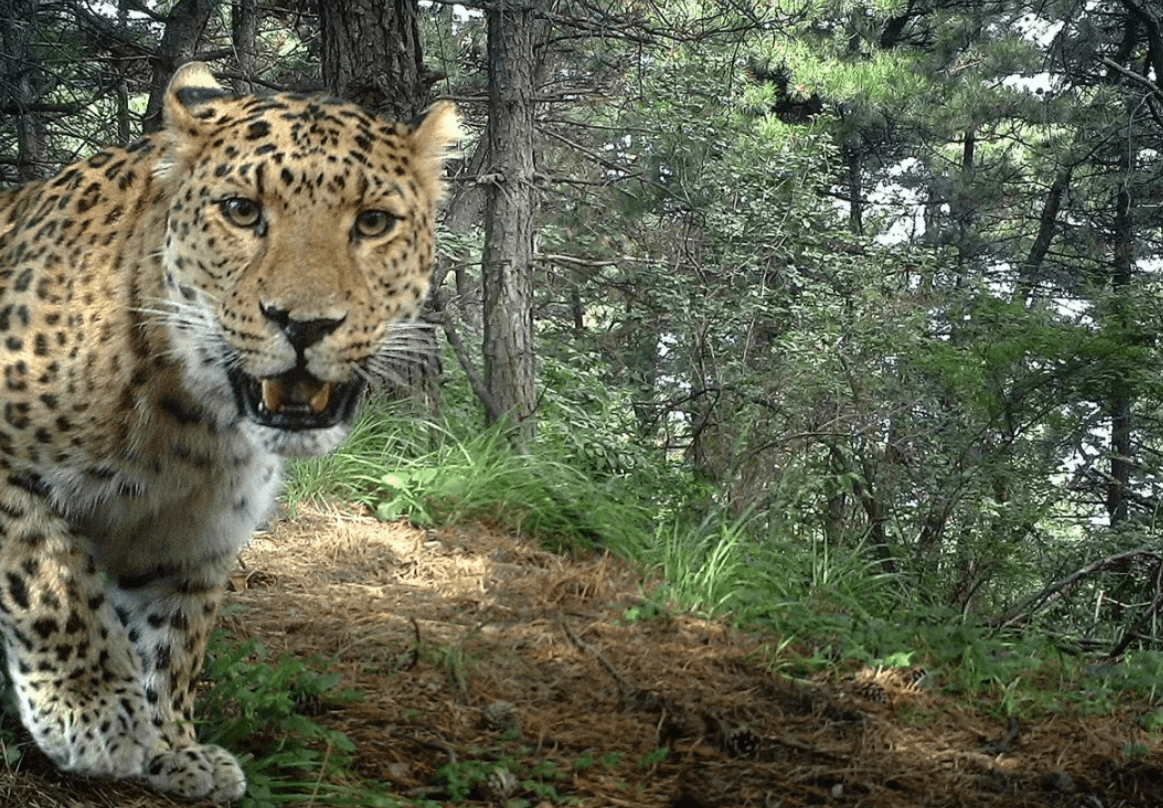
{"x":1047,"y":228}
{"x":244,"y":36}
{"x":507,"y":265}
{"x":184,"y":28}
{"x":19,"y":18}
{"x":1121,"y":391}
{"x":852,"y":161}
{"x":372,"y":54}
{"x":124,"y":130}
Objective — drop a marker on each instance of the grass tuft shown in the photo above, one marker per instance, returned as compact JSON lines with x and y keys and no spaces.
{"x":433,"y":475}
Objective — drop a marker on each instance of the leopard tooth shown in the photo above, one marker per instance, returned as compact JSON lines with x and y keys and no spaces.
{"x":321,"y":398}
{"x":272,"y":395}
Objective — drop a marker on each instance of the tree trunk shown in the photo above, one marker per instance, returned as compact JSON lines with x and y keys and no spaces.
{"x":853,"y":160}
{"x":244,"y":36}
{"x":19,"y":18}
{"x":121,"y":66}
{"x":372,"y":54}
{"x":1121,"y":391}
{"x":184,"y":28}
{"x":1047,"y":228}
{"x":507,"y":266}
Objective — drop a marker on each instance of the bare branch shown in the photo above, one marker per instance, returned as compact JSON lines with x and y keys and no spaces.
{"x":1059,"y":589}
{"x":1136,"y":77}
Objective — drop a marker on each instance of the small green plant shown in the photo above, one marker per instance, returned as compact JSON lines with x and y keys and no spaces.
{"x":654,"y":757}
{"x":265,"y":711}
{"x":646,"y":611}
{"x":1152,"y":721}
{"x":461,"y":778}
{"x":1136,"y":749}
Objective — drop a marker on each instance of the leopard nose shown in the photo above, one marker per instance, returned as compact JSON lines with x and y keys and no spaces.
{"x":302,"y":334}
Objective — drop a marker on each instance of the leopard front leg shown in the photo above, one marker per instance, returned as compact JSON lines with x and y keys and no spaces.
{"x":76,"y":677}
{"x":168,"y":615}
{"x":103,"y":671}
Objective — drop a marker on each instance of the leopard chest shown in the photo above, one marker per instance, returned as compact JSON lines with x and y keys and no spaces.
{"x":176,"y":499}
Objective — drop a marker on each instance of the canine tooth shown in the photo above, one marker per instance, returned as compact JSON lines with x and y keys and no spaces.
{"x":320,"y":399}
{"x":272,"y":395}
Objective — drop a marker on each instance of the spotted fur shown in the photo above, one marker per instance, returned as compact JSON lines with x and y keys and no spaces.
{"x":176,"y":317}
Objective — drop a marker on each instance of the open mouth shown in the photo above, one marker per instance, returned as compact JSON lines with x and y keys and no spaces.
{"x":295,"y":400}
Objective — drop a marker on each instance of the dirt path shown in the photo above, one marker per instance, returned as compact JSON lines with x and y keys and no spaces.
{"x":524,"y":660}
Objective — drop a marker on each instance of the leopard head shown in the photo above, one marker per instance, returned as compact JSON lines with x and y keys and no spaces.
{"x":299,"y":245}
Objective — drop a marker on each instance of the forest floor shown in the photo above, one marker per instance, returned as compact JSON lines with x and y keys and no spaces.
{"x":475,"y":648}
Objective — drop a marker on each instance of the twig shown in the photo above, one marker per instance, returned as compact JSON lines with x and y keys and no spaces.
{"x":1133,"y":631}
{"x":1057,"y":590}
{"x":474,"y":379}
{"x":319,"y":779}
{"x":626,"y":687}
{"x":413,"y":654}
{"x":438,"y":745}
{"x":1155,"y":89}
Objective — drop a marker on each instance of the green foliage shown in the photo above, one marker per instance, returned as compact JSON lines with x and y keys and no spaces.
{"x":476,"y":776}
{"x":461,"y":779}
{"x":701,"y":567}
{"x":586,"y":420}
{"x":266,"y":712}
{"x":654,"y":757}
{"x":437,"y":474}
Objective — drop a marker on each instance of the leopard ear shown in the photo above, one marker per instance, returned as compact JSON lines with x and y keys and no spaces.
{"x":433,"y":139}
{"x":187,"y":94}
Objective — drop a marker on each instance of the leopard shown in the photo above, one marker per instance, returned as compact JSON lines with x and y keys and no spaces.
{"x":177,"y":318}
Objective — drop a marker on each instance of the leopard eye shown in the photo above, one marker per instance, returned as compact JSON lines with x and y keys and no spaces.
{"x":241,"y":212}
{"x":372,"y":223}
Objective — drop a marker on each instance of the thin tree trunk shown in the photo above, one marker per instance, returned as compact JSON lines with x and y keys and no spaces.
{"x":184,"y":28}
{"x":852,"y":160}
{"x":507,"y":265}
{"x":963,"y":211}
{"x":1121,"y":390}
{"x":244,"y":35}
{"x":121,"y":66}
{"x":19,"y":18}
{"x":1047,"y":227}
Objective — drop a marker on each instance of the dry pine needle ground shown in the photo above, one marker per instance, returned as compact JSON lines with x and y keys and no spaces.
{"x":474,"y":645}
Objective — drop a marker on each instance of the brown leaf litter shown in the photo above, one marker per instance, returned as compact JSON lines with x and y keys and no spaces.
{"x":475,"y":645}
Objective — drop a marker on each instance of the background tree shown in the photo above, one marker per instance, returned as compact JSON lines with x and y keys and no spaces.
{"x":185,"y":27}
{"x":372,"y":54}
{"x":21,"y":77}
{"x":507,"y":263}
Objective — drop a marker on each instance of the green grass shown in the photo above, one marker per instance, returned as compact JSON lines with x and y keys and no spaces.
{"x":264,"y":712}
{"x":433,"y":474}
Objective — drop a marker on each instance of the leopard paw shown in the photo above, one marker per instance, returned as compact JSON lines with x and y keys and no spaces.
{"x":88,"y":754}
{"x":197,"y":771}
{"x":100,"y":737}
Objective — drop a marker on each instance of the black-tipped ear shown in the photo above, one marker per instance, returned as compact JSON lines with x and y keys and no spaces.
{"x":192,"y":86}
